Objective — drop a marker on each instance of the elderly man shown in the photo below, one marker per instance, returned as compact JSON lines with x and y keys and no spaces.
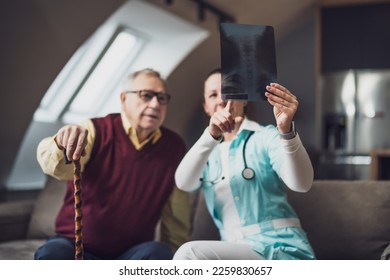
{"x":128,"y":161}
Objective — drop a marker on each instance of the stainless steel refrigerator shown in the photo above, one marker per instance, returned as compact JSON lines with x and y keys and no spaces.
{"x":354,"y":119}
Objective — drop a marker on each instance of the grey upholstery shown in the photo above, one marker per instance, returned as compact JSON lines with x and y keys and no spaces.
{"x":343,"y":220}
{"x":346,"y":219}
{"x":34,"y":220}
{"x":46,"y":208}
{"x":19,"y":249}
{"x":386,"y":253}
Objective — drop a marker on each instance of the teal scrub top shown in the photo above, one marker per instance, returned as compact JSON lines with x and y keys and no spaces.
{"x":262,"y":198}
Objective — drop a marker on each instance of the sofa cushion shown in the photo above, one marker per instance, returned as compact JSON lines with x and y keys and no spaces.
{"x":346,"y":219}
{"x":20,"y":249}
{"x":343,"y":219}
{"x":386,"y":253}
{"x":45,"y":210}
{"x":203,"y":227}
{"x":14,"y":219}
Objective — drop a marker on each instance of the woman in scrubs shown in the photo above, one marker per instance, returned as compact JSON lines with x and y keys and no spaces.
{"x":244,"y":169}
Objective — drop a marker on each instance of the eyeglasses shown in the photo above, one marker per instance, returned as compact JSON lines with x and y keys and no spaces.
{"x":147,"y":95}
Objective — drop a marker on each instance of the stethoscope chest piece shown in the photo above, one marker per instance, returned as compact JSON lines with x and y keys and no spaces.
{"x":248,"y":173}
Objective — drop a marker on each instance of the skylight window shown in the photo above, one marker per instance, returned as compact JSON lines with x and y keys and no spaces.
{"x":104,"y":77}
{"x":90,"y":83}
{"x":89,"y":78}
{"x":103,"y":74}
{"x":64,"y":86}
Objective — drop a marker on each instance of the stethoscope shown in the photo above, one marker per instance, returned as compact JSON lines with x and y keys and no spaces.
{"x":247,"y":173}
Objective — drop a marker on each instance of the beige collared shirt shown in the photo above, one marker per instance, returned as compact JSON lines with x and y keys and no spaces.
{"x":154,"y":136}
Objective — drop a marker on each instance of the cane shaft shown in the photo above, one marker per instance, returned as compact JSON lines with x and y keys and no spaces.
{"x":78,"y":218}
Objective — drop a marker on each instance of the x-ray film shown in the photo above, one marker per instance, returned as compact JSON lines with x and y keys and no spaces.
{"x":248,"y":61}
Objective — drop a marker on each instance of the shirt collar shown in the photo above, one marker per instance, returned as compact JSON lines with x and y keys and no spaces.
{"x":249,"y":125}
{"x":130,"y":131}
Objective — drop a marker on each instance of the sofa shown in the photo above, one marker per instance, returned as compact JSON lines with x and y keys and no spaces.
{"x":344,"y":220}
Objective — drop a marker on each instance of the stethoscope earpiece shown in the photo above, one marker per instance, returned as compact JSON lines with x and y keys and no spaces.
{"x":213,"y":181}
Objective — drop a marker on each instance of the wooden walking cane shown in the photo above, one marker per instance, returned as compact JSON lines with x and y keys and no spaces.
{"x":78,"y":217}
{"x":78,"y":213}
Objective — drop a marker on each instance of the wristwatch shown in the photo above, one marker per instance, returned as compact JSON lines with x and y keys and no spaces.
{"x":291,"y":134}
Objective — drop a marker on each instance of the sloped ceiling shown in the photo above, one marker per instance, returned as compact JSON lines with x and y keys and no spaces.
{"x":282,"y":14}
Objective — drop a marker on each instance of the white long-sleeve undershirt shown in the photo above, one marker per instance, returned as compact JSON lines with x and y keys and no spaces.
{"x":296,"y":171}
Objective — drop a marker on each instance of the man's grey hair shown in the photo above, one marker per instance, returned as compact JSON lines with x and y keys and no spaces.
{"x":148,"y":72}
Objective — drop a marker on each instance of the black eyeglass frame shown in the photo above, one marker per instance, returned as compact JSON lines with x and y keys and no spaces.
{"x":165,"y":96}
